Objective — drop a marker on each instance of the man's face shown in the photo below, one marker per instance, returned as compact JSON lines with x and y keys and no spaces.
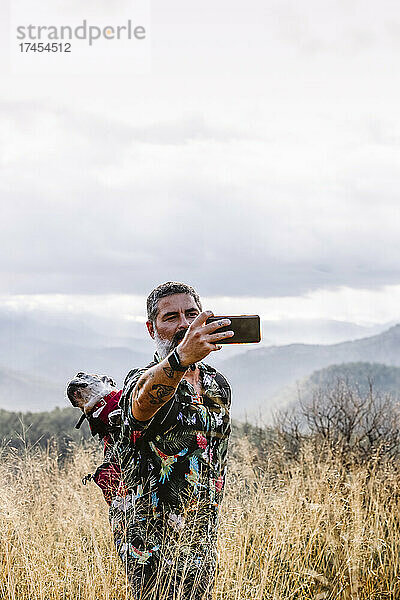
{"x":175,"y":313}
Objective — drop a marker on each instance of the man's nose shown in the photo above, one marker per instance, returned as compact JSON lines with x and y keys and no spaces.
{"x":183,"y":322}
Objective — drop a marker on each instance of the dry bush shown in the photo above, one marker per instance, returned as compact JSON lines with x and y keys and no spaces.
{"x":310,"y":529}
{"x":361,"y":427}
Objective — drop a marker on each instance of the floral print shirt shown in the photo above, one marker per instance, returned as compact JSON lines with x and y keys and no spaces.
{"x":164,"y":513}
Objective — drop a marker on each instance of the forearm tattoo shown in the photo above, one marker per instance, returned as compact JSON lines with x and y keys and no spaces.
{"x":161,"y":392}
{"x":169,"y":372}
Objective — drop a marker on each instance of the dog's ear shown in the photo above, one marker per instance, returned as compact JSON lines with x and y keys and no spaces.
{"x":106,"y":379}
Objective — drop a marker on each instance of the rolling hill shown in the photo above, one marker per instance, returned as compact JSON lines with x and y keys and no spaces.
{"x":385,"y":380}
{"x":258,"y":376}
{"x":39,"y":354}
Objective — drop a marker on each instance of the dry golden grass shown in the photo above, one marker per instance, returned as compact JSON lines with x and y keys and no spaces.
{"x":309,"y":530}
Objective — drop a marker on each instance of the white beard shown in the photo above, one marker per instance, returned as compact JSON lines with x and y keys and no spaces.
{"x":164,"y":347}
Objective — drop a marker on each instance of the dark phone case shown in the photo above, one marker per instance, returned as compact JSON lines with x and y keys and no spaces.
{"x":246,"y":327}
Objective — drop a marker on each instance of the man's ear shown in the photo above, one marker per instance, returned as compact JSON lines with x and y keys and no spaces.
{"x":150,"y":328}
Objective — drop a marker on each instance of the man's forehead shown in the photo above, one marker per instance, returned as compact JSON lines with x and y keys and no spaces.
{"x":176,"y":302}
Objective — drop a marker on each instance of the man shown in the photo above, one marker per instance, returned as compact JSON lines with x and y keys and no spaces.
{"x":172,"y":452}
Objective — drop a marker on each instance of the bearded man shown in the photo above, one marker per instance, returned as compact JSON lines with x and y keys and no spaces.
{"x":172,"y":452}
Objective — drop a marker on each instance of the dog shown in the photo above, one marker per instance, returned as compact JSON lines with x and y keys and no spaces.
{"x":98,"y":399}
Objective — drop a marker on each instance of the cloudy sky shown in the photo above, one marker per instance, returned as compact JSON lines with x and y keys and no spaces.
{"x":257,"y":159}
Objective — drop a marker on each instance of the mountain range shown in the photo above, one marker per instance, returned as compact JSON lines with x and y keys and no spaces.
{"x":39,"y":355}
{"x":258,"y":376}
{"x":359,"y":376}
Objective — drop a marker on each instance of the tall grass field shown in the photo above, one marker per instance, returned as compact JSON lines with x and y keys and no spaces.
{"x":304,"y":529}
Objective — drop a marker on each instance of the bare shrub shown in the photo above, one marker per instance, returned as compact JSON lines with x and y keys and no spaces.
{"x":357,"y":427}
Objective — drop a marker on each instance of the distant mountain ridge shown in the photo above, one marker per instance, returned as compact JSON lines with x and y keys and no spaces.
{"x":38,"y":357}
{"x":258,"y":375}
{"x":39,"y":353}
{"x":358,"y":375}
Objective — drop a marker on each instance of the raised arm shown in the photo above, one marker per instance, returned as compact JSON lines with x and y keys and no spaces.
{"x":158,"y":384}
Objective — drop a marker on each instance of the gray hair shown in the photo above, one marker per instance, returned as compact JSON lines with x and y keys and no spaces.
{"x":169,"y":289}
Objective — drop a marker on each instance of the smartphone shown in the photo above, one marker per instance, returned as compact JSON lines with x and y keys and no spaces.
{"x":246,"y":327}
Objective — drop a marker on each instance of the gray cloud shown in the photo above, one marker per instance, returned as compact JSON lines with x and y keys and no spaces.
{"x":275,"y":188}
{"x":217,"y":209}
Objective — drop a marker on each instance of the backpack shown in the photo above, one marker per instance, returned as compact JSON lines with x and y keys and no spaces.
{"x":105,"y":418}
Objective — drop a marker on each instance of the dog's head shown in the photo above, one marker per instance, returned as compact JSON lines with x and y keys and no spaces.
{"x":85,"y":390}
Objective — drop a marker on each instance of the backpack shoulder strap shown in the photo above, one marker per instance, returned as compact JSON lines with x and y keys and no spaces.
{"x":224,"y":384}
